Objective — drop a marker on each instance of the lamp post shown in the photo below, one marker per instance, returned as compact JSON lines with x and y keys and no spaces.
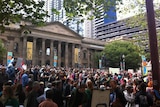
{"x":123,"y":62}
{"x":103,"y":61}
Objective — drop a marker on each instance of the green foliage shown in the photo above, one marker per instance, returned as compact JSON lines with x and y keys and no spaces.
{"x":142,"y":41}
{"x":2,"y":50}
{"x":140,"y":18}
{"x":13,"y":11}
{"x":114,"y":51}
{"x":55,"y":11}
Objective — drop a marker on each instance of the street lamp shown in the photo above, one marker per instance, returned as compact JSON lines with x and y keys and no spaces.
{"x":123,"y":62}
{"x":103,"y":61}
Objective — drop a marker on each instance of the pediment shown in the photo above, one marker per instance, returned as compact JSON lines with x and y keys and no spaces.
{"x":58,"y":28}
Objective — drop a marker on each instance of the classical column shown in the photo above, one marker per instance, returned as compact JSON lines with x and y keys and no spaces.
{"x":88,"y":59}
{"x":43,"y":52}
{"x":79,"y":56}
{"x":66,"y":55}
{"x":24,"y":48}
{"x":34,"y":51}
{"x":51,"y":52}
{"x":73,"y":54}
{"x":59,"y":53}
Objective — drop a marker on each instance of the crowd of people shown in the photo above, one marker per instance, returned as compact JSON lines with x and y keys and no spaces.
{"x":47,"y":86}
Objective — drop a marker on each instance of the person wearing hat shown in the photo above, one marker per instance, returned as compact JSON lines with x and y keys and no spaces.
{"x":130,"y":96}
{"x":41,"y":89}
{"x":49,"y":86}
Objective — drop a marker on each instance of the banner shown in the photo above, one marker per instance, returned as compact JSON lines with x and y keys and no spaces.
{"x":114,"y":70}
{"x":55,"y":58}
{"x":100,"y":64}
{"x":144,"y":65}
{"x":9,"y":57}
{"x":19,"y":63}
{"x":100,"y":98}
{"x":55,"y":61}
{"x":76,"y":51}
{"x":29,"y":50}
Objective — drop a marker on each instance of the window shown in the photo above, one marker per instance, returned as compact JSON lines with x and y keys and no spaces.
{"x":48,"y":51}
{"x":84,"y":55}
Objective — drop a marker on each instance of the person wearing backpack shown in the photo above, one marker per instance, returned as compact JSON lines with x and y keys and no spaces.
{"x":10,"y":71}
{"x":143,"y":98}
{"x":117,"y":98}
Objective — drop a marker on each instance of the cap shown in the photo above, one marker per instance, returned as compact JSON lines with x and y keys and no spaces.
{"x":41,"y":83}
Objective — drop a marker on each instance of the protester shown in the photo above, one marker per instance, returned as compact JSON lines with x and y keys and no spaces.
{"x":143,"y":98}
{"x":20,"y":94}
{"x":25,"y":78}
{"x":78,"y":97}
{"x":89,"y":92}
{"x":67,"y":81}
{"x":11,"y":71}
{"x":48,"y":102}
{"x":118,"y":99}
{"x":8,"y":97}
{"x":57,"y":93}
{"x":31,"y":100}
{"x":3,"y":77}
{"x":49,"y":86}
{"x":130,"y":96}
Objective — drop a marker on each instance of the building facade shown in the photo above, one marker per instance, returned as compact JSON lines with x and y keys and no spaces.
{"x":53,"y":44}
{"x":90,"y":26}
{"x":119,"y":29}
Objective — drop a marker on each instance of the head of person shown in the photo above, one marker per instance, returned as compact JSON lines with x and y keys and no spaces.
{"x":49,"y":94}
{"x":143,"y":86}
{"x":113,"y":84}
{"x":81,"y":88}
{"x":3,"y":70}
{"x":8,"y":91}
{"x":49,"y":85}
{"x":129,"y":88}
{"x":41,"y":84}
{"x":35,"y":86}
{"x":19,"y":88}
{"x":89,"y":84}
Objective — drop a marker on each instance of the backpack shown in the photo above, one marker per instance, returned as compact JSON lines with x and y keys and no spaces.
{"x":143,"y":101}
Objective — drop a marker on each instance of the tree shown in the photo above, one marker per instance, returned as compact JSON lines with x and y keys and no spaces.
{"x":14,"y":11}
{"x":114,"y":51}
{"x":138,"y":7}
{"x":140,"y":20}
{"x":2,"y":50}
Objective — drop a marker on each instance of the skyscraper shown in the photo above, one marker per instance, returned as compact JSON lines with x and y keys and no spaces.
{"x":90,"y":27}
{"x":51,"y":5}
{"x":58,"y":5}
{"x":54,"y":4}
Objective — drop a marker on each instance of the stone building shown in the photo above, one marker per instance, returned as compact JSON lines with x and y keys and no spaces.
{"x":53,"y":44}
